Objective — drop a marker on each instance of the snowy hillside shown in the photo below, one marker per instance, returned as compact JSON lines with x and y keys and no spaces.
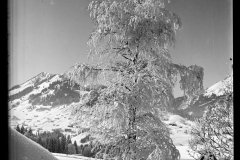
{"x":46,"y":103}
{"x":197,"y":107}
{"x":221,"y":87}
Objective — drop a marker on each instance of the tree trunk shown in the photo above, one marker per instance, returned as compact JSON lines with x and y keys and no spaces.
{"x":132,"y":118}
{"x":132,"y":131}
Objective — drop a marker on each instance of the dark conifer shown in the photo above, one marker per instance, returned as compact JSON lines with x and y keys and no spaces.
{"x":59,"y":147}
{"x":76,"y":147}
{"x":39,"y":141}
{"x":18,"y":129}
{"x":63,"y":143}
{"x":22,"y":130}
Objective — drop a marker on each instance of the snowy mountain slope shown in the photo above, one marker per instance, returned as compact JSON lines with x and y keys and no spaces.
{"x":31,"y":82}
{"x":47,"y":90}
{"x":52,"y":90}
{"x":221,"y":87}
{"x":45,"y":103}
{"x":197,"y":107}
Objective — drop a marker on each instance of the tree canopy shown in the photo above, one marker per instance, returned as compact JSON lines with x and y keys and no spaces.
{"x":131,"y":39}
{"x":214,"y":131}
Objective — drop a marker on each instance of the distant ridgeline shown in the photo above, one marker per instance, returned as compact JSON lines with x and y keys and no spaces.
{"x":51,"y":90}
{"x":46,"y":89}
{"x":196,"y":108}
{"x":198,"y":104}
{"x":14,"y":87}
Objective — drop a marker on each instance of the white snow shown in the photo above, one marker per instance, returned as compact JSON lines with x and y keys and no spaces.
{"x":42,"y":117}
{"x":21,"y":88}
{"x":59,"y":118}
{"x":221,"y":87}
{"x":184,"y":152}
{"x":79,"y":137}
{"x":71,"y":157}
{"x":176,"y":119}
{"x":30,"y":82}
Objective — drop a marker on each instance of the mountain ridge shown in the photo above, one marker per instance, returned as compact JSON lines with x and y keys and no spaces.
{"x":46,"y":101}
{"x":199,"y":103}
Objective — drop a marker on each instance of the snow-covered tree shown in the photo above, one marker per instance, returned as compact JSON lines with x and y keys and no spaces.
{"x":214,"y":131}
{"x":131,"y":40}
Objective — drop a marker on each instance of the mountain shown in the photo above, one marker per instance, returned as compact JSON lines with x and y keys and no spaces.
{"x":198,"y":105}
{"x":44,"y":89}
{"x":47,"y":101}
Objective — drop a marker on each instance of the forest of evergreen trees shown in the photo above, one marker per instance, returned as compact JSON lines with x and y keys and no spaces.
{"x":57,"y":142}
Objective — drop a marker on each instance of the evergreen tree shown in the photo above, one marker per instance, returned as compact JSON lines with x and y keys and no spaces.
{"x":81,"y":149}
{"x":131,"y":38}
{"x":56,"y":144}
{"x":76,"y":147}
{"x":44,"y":142}
{"x":39,"y":141}
{"x":53,"y":144}
{"x":54,"y":141}
{"x":49,"y":144}
{"x":22,"y":130}
{"x":30,"y":131}
{"x":63,"y":144}
{"x":69,"y":139}
{"x":18,"y":129}
{"x":59,"y":147}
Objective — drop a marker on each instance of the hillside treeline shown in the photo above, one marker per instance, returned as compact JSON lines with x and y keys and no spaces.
{"x":57,"y":142}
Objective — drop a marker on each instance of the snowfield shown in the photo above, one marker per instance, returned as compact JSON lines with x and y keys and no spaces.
{"x":45,"y":118}
{"x":71,"y":157}
{"x":60,"y":118}
{"x":180,"y":133}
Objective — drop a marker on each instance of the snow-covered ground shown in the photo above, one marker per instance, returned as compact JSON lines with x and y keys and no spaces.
{"x":43,"y":118}
{"x":46,"y":118}
{"x":71,"y":157}
{"x":184,"y":152}
{"x":178,"y":136}
{"x":180,"y":133}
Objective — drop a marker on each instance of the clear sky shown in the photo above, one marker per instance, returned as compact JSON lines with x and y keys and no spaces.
{"x":51,"y":36}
